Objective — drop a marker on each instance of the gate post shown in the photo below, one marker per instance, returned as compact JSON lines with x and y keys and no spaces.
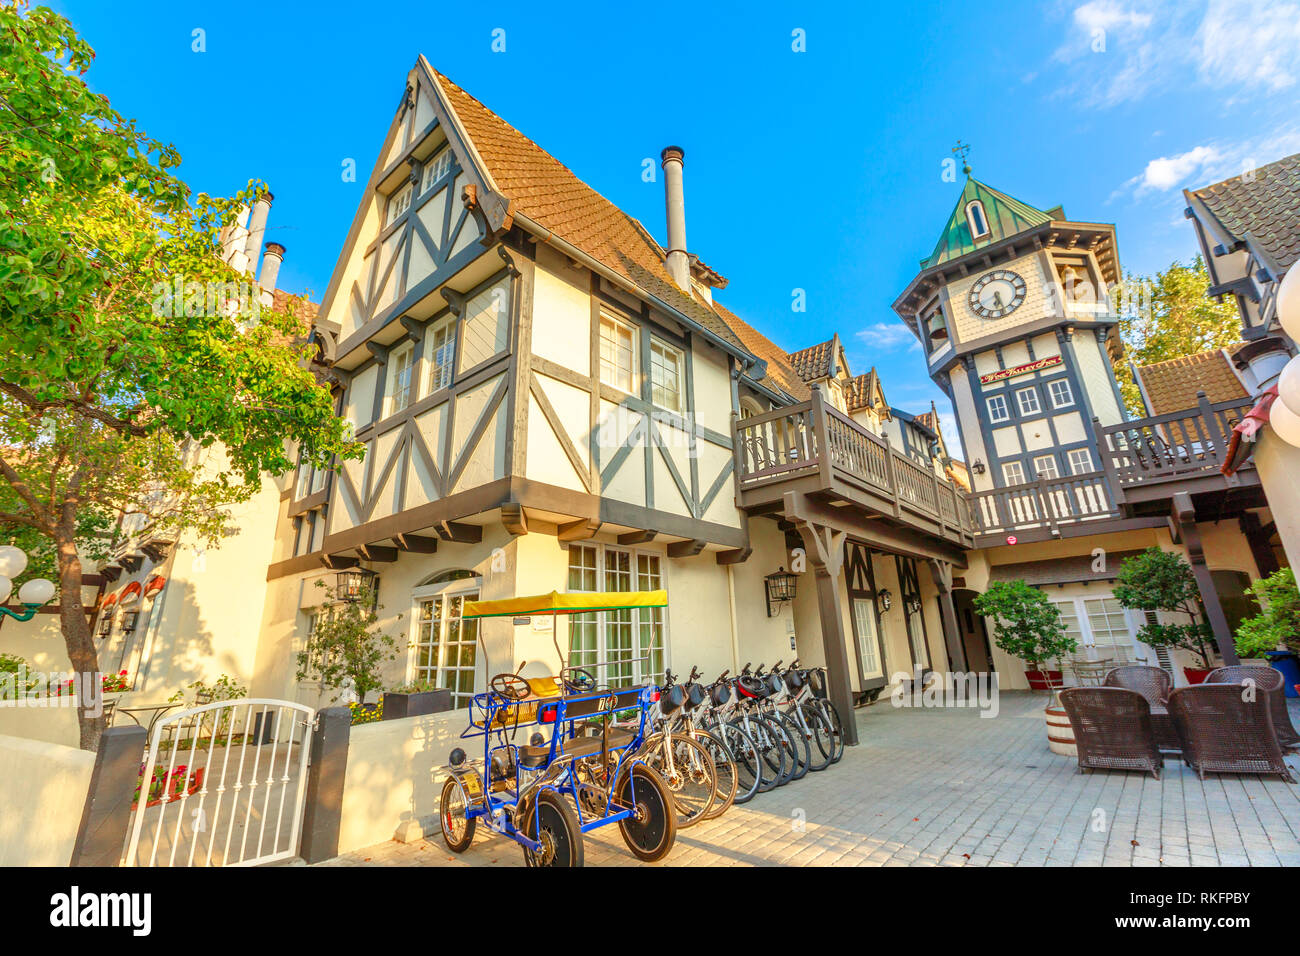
{"x":323,"y":812}
{"x":106,"y":816}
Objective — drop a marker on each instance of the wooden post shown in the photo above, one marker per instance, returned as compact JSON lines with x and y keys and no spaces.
{"x":1185,"y":514}
{"x":826,"y":551}
{"x":892,"y":473}
{"x":822,"y":436}
{"x":941,"y":572}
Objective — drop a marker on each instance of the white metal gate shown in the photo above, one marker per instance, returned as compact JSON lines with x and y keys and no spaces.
{"x":224,"y":784}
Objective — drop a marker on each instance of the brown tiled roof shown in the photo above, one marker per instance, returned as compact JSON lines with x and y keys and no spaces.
{"x":1266,"y":205}
{"x":545,"y":190}
{"x":1171,"y":386}
{"x":780,"y":373}
{"x":859,"y":391}
{"x":298,"y":305}
{"x":815,"y":361}
{"x":930,"y":420}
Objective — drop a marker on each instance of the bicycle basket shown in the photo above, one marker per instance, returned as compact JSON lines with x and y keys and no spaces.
{"x":694,"y":696}
{"x":793,"y":680}
{"x":721,"y":693}
{"x":773,"y":682}
{"x":670,"y":699}
{"x":817,"y":683}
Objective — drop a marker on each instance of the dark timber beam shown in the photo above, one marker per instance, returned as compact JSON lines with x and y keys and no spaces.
{"x":826,"y":552}
{"x":636,"y":537}
{"x":460,"y":532}
{"x":1185,"y":512}
{"x":416,"y":543}
{"x":687,"y":548}
{"x":734,"y":556}
{"x":337,"y":562}
{"x":378,"y":552}
{"x":941,"y":572}
{"x":1257,"y":537}
{"x":580,"y":530}
{"x":513,"y":518}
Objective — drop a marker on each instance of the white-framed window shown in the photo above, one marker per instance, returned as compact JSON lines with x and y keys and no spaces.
{"x":1059,"y":390}
{"x":439,"y":165}
{"x":401,"y":378}
{"x":1013,"y":473}
{"x":1027,"y":399}
{"x":398,"y":203}
{"x":666,"y":375}
{"x":442,"y":353}
{"x":618,"y":353}
{"x":998,"y":411}
{"x":1080,"y":461}
{"x":1101,"y":628}
{"x":1045,"y":467}
{"x":444,"y":650}
{"x":864,"y":629}
{"x":975,"y":218}
{"x":620,"y":648}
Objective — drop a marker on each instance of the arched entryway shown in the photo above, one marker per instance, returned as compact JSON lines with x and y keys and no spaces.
{"x":974,"y":632}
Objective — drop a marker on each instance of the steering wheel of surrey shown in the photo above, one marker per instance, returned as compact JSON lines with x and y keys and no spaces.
{"x":576,"y":680}
{"x":511,"y":686}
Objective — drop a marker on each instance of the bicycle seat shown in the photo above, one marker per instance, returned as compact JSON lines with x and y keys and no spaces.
{"x":586,"y":746}
{"x":533,"y":757}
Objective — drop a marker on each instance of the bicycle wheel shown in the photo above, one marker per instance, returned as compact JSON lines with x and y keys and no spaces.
{"x":821,"y":744}
{"x":798,"y":744}
{"x":652,"y":829}
{"x":553,"y":823}
{"x":725,"y":766}
{"x":457,"y":827}
{"x":744,"y":752}
{"x":837,"y":728}
{"x":688,"y":770}
{"x":771,"y":757}
{"x":782,"y":744}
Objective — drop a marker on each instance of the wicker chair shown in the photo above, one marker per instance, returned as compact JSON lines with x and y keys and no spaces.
{"x":1112,"y":729}
{"x":1223,"y":732}
{"x":1154,"y":684}
{"x":1270,"y":682}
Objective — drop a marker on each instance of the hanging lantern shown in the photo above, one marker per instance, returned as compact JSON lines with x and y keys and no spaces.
{"x":351,"y":583}
{"x":885,"y":600}
{"x":780,"y":588}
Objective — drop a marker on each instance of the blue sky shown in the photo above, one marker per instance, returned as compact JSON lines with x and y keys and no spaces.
{"x":818,"y":170}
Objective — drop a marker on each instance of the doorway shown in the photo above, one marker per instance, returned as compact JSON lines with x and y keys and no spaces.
{"x":974,"y":632}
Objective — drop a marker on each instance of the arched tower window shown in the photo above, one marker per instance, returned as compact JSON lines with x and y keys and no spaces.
{"x":979,"y":224}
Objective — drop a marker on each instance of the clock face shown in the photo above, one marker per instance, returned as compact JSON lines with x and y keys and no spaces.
{"x":997,"y":294}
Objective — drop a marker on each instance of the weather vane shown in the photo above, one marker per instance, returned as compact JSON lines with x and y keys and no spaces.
{"x":961,"y":149}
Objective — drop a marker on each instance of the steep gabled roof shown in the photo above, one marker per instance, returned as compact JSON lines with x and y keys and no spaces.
{"x":1171,"y":386}
{"x":1006,"y":215}
{"x":861,"y":391}
{"x":819,"y":361}
{"x":781,"y":375}
{"x":1264,"y":206}
{"x":546,"y":191}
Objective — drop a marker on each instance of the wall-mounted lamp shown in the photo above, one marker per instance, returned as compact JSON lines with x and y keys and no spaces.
{"x":780,"y":588}
{"x":978,"y":467}
{"x":913,"y":605}
{"x":106,"y":625}
{"x":351,"y":583}
{"x":129,"y":619}
{"x":884,"y":600}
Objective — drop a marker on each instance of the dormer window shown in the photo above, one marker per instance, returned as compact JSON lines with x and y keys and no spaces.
{"x":398,"y":203}
{"x":439,"y":165}
{"x":975,"y":218}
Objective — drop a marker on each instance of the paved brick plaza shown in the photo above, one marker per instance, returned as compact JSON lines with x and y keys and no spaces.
{"x":944,"y":787}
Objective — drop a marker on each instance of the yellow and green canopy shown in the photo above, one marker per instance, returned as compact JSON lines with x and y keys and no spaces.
{"x":562,"y":603}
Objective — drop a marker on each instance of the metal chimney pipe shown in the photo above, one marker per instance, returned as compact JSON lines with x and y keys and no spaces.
{"x":271,"y":266}
{"x":256,"y":228}
{"x":679,"y":264}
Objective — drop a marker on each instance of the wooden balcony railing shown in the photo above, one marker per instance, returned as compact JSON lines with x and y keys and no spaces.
{"x":1046,"y":503}
{"x":823,"y":449}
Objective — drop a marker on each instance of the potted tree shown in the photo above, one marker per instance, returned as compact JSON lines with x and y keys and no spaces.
{"x":1274,"y":633}
{"x":347,"y":651}
{"x":1158,"y":580}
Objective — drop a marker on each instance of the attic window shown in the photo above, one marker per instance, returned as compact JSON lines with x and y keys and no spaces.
{"x":979,"y":224}
{"x":439,"y":165}
{"x":398,"y":203}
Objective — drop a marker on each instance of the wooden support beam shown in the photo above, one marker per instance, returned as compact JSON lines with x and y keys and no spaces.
{"x":636,"y":537}
{"x":416,"y":543}
{"x":377,"y":552}
{"x":337,"y":562}
{"x":1185,"y":512}
{"x":687,"y":548}
{"x":580,"y":530}
{"x":132,"y":562}
{"x":513,"y":518}
{"x":460,"y":532}
{"x":941,"y":572}
{"x":734,"y":556}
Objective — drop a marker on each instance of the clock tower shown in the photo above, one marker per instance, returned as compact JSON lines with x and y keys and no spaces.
{"x":1013,"y":312}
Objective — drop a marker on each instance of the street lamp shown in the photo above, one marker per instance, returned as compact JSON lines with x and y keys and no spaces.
{"x":33,"y":593}
{"x":351,"y":583}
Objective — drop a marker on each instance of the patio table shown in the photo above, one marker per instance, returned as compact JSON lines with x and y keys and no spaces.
{"x":153,"y":712}
{"x":1091,"y":673}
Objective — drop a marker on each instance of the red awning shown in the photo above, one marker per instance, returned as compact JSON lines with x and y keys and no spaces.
{"x":107,"y":601}
{"x":130,"y":594}
{"x":154,"y":585}
{"x":1242,"y":442}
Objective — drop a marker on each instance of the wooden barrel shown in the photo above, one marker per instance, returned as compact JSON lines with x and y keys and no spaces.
{"x":1060,"y":735}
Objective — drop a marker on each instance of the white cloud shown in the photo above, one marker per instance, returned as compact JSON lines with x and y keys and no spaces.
{"x":1249,"y":44}
{"x":1169,"y":171}
{"x":888,"y":336}
{"x":1210,"y":163}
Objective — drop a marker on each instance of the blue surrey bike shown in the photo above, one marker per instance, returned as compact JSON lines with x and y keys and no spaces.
{"x":576,"y":773}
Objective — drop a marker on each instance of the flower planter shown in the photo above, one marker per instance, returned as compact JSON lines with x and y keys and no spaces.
{"x":176,"y":787}
{"x":398,"y":705}
{"x":1196,"y":675}
{"x":1060,"y":735}
{"x":1043,"y":680}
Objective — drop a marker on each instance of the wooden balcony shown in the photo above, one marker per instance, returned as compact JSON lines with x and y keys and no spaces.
{"x":813,"y":449}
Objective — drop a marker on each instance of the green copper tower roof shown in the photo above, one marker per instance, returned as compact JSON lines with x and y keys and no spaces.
{"x":1005,"y":216}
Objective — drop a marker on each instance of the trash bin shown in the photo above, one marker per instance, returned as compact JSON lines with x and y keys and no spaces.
{"x":1289,"y":664}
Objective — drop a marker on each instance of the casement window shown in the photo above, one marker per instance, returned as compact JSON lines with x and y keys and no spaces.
{"x":975,"y":218}
{"x":442,"y":353}
{"x":401,"y":378}
{"x":1080,"y":461}
{"x":1045,"y":467}
{"x":618,"y":353}
{"x":620,"y":648}
{"x":398,"y":203}
{"x":1100,"y":626}
{"x":666,"y":375}
{"x":1013,"y":473}
{"x":1027,"y":399}
{"x":1059,"y":390}
{"x":998,"y":411}
{"x":445,"y":646}
{"x":439,"y":165}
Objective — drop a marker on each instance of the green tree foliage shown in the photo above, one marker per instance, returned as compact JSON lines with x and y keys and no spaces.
{"x":347,"y":646}
{"x":1170,"y":316}
{"x":116,"y":394}
{"x":1279,"y":621}
{"x":1029,"y":626}
{"x":1157,"y":580}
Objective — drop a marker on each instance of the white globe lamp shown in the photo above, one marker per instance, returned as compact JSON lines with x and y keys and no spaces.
{"x":6,"y":588}
{"x":1285,"y":423}
{"x":37,"y":591}
{"x":12,"y":561}
{"x":1288,"y":385}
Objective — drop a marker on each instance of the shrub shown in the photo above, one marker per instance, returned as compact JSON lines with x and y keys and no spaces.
{"x":1279,"y":621}
{"x":1029,"y":626}
{"x":1158,"y":580}
{"x":346,"y":646}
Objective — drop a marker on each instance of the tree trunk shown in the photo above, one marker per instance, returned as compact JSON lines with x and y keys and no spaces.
{"x":79,"y":641}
